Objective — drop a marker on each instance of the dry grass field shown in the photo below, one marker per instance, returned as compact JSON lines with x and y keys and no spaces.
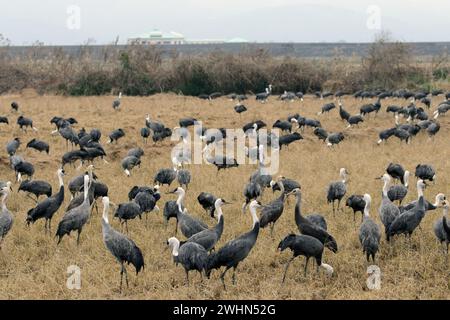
{"x":32,"y":266}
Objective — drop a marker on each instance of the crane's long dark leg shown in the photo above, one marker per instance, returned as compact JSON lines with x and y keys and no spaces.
{"x":222,"y":277}
{"x":78,"y":237}
{"x":271,"y":229}
{"x":333,"y":207}
{"x":45,"y":226}
{"x":121,"y":276}
{"x":187,"y":277}
{"x":339,"y":203}
{"x":126,"y":225}
{"x":306,"y":265}
{"x":233,"y":279}
{"x":50,"y":225}
{"x":286,"y":269}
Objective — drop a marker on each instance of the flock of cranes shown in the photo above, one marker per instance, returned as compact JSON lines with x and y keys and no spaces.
{"x":202,"y":249}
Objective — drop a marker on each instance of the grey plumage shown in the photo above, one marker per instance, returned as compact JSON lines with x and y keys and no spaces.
{"x":236,"y":250}
{"x":303,"y":245}
{"x":76,"y":218}
{"x":207,"y":201}
{"x":38,"y":145}
{"x":127,"y":211}
{"x":336,"y":190}
{"x":288,"y":184}
{"x":334,"y":138}
{"x":128,"y":163}
{"x":387,"y":211}
{"x":320,"y":133}
{"x":36,"y":187}
{"x":115,"y":135}
{"x":369,"y":232}
{"x":357,"y":203}
{"x":252,"y":191}
{"x":165,"y":176}
{"x":425,"y":172}
{"x":183,"y":177}
{"x":273,"y":210}
{"x":190,"y":255}
{"x":307,"y":227}
{"x":12,"y":146}
{"x":441,"y":228}
{"x":6,"y":218}
{"x":121,"y":247}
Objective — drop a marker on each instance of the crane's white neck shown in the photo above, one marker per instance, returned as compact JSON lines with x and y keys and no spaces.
{"x":367,"y":207}
{"x":60,"y":178}
{"x":175,"y":244}
{"x":219,"y":212}
{"x":4,"y":198}
{"x":180,"y":200}
{"x":343,"y":176}
{"x":254,"y":216}
{"x":105,"y":212}
{"x":261,"y":154}
{"x":419,"y":190}
{"x":385,"y":187}
{"x":406,"y":178}
{"x":86,"y":186}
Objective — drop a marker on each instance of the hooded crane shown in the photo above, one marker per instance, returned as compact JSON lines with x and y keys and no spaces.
{"x":24,"y":123}
{"x":252,"y":191}
{"x":6,"y":218}
{"x":336,"y":190}
{"x":369,"y":232}
{"x":121,"y":247}
{"x":273,"y":211}
{"x":38,"y":145}
{"x":116,"y":103}
{"x":425,"y":172}
{"x":128,"y":163}
{"x":307,"y":246}
{"x":398,"y":192}
{"x":75,"y":218}
{"x":207,"y":201}
{"x":165,"y":176}
{"x":396,"y":171}
{"x":47,"y":208}
{"x":441,"y":228}
{"x":387,"y":211}
{"x":236,"y":250}
{"x":408,"y":221}
{"x":190,"y":255}
{"x":440,"y":197}
{"x":188,"y":225}
{"x":115,"y":135}
{"x":209,"y":237}
{"x":357,"y":203}
{"x":344,"y":114}
{"x":334,"y":139}
{"x":36,"y":187}
{"x":308,"y":227}
{"x":12,"y":146}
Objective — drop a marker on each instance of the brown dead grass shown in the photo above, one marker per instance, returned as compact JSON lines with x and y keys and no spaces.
{"x":32,"y":266}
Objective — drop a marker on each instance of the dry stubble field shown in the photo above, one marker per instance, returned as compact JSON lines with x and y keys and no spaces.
{"x":32,"y":266}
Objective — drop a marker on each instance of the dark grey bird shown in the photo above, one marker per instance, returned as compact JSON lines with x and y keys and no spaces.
{"x":255,"y":125}
{"x":145,"y":133}
{"x":6,"y":218}
{"x":136,"y":189}
{"x":387,"y":211}
{"x":128,"y":163}
{"x":25,"y":122}
{"x":402,"y":135}
{"x":334,"y":139}
{"x":24,"y":168}
{"x":354,"y":120}
{"x":75,"y":185}
{"x":190,"y":255}
{"x":386,"y":134}
{"x":288,"y":184}
{"x":240,"y":108}
{"x":127,"y":211}
{"x":121,"y":247}
{"x":344,"y":114}
{"x":36,"y":187}
{"x":219,"y":161}
{"x":307,"y":246}
{"x":252,"y":191}
{"x":441,"y":109}
{"x":320,"y":133}
{"x":425,"y":172}
{"x":15,"y":106}
{"x":440,"y":197}
{"x":116,"y":102}
{"x":4,"y":120}
{"x":327,"y":108}
{"x":408,"y":221}
{"x":165,"y":176}
{"x":236,"y":250}
{"x":207,"y":201}
{"x":188,"y":224}
{"x":115,"y":135}
{"x":263,"y":96}
{"x":433,"y":128}
{"x":183,"y":177}
{"x":136,"y":152}
{"x":147,"y":201}
{"x":12,"y":146}
{"x":271,"y":212}
{"x":283,"y":125}
{"x":38,"y":145}
{"x":336,"y":190}
{"x":357,"y":203}
{"x":441,"y":228}
{"x":289,"y":138}
{"x":75,"y":218}
{"x":396,"y":171}
{"x":208,"y":238}
{"x":47,"y":208}
{"x":187,"y":122}
{"x":69,"y":135}
{"x":307,"y":227}
{"x":398,"y":192}
{"x":369,"y":232}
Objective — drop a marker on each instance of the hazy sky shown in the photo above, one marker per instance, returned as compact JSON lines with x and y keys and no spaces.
{"x":58,"y":21}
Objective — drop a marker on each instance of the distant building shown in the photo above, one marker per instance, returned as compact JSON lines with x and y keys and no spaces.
{"x":158,"y":37}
